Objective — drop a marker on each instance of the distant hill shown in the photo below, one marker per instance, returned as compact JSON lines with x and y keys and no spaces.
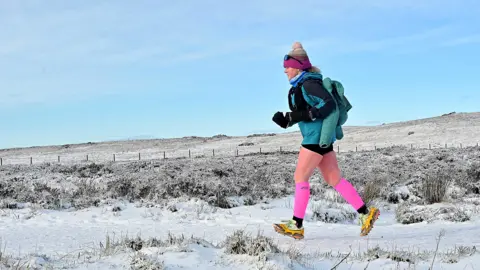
{"x":452,"y":129}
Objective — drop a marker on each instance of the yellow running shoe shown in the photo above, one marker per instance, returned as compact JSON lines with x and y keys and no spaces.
{"x":367,"y":220}
{"x":289,"y":228}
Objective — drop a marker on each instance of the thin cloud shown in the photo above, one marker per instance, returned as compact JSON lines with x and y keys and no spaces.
{"x":45,"y":48}
{"x":415,"y":42}
{"x":122,"y":32}
{"x":464,"y":40}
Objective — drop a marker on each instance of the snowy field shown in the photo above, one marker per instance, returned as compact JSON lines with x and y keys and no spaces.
{"x":217,"y":212}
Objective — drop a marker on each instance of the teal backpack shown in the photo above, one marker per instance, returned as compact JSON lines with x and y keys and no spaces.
{"x":333,"y":123}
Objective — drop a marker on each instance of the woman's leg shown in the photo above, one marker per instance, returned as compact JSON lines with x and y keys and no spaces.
{"x":306,"y":164}
{"x":332,"y":175}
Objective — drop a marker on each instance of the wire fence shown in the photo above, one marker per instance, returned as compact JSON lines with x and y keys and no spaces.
{"x":155,"y":154}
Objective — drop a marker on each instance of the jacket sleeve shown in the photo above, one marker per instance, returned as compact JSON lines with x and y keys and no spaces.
{"x":319,"y":98}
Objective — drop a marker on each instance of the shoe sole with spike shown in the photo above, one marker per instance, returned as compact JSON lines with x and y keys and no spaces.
{"x":279,"y":229}
{"x":374,"y":214}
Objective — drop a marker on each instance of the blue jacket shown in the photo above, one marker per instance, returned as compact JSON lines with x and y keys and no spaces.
{"x":309,"y":94}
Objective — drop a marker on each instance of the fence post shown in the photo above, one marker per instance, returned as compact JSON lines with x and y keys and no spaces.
{"x":31,"y":160}
{"x":356,"y":148}
{"x":138,"y":155}
{"x":445,"y":145}
{"x":114,"y":157}
{"x":338,"y":148}
{"x":164,"y":157}
{"x":237,"y":152}
{"x":411,"y":146}
{"x":189,"y":154}
{"x":260,"y":150}
{"x":1,"y":161}
{"x":280,"y":149}
{"x":429,"y":146}
{"x":58,"y":159}
{"x":213,"y":152}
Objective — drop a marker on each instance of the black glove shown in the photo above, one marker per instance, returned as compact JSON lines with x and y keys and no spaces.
{"x":280,"y":119}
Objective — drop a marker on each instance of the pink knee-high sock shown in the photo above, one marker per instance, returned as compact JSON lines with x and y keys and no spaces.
{"x":302,"y":195}
{"x":349,"y":193}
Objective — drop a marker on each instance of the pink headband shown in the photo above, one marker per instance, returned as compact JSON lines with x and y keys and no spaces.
{"x":303,"y":64}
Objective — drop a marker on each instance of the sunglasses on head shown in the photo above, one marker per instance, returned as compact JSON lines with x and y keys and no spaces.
{"x":286,"y":57}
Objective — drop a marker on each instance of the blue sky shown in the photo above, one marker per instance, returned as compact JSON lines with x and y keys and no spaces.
{"x":79,"y":71}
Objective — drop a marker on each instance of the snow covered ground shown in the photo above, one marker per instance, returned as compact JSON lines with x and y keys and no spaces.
{"x":72,"y":239}
{"x":217,"y":212}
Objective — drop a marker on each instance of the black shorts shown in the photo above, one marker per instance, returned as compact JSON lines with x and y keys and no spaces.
{"x":317,"y":149}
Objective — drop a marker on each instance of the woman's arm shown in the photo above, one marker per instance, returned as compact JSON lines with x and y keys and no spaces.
{"x":318,"y":98}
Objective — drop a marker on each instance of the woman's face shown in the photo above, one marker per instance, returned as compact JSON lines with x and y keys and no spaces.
{"x":291,"y":72}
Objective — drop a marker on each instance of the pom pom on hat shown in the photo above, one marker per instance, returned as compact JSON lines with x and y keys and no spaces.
{"x":297,"y":45}
{"x":299,"y":53}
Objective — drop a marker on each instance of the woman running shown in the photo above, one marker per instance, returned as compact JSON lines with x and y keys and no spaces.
{"x":309,"y":106}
